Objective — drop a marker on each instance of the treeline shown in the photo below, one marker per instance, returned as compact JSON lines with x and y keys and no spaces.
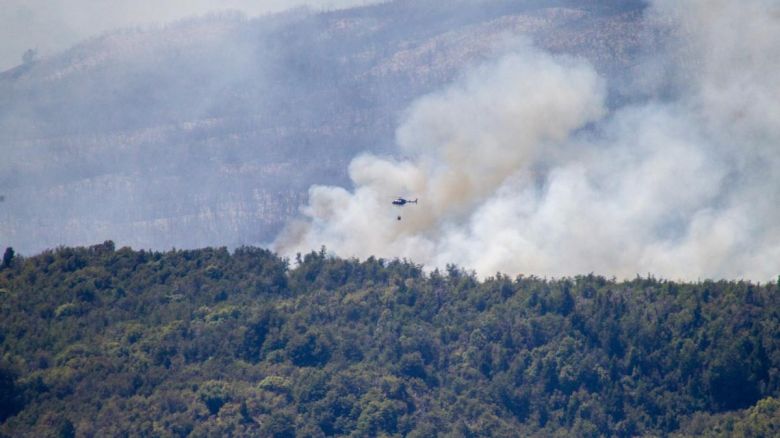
{"x":104,"y":342}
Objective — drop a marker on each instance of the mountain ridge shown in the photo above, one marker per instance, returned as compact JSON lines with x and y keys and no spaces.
{"x":162,"y":111}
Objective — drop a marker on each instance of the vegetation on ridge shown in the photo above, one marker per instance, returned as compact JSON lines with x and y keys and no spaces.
{"x":104,"y":342}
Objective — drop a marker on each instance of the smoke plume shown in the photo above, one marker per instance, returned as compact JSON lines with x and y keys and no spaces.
{"x":519,"y":167}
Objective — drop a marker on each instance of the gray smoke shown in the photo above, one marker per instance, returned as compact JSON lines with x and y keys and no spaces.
{"x":520,"y":169}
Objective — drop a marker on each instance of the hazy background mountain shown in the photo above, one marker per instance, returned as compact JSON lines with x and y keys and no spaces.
{"x":48,"y":26}
{"x":209,"y":131}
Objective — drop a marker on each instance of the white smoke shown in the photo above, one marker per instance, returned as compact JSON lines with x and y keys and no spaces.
{"x":520,"y":169}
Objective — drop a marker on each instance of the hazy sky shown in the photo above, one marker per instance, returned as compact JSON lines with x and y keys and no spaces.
{"x":52,"y":25}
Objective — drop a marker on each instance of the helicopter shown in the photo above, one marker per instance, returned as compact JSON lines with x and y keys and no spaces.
{"x":400,"y":202}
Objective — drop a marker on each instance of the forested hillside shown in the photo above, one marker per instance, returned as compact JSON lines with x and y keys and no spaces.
{"x":104,"y":342}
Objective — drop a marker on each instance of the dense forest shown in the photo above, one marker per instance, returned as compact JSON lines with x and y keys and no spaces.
{"x":101,"y":341}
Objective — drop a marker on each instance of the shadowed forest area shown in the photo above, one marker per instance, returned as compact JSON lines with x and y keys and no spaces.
{"x":101,"y":341}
